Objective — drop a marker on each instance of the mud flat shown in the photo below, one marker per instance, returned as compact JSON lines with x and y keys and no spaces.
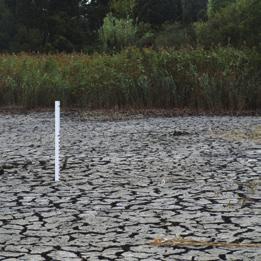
{"x":127,"y":182}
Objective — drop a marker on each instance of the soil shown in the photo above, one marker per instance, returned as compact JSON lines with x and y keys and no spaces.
{"x":126,"y":182}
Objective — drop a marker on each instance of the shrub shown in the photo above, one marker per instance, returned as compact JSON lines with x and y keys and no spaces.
{"x":215,"y":6}
{"x":175,"y":35}
{"x":238,"y":24}
{"x":117,"y":33}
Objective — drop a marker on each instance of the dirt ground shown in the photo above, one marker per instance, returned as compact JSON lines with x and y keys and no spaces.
{"x":127,"y":182}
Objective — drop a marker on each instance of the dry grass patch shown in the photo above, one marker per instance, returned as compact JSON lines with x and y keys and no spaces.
{"x":253,"y":135}
{"x":198,"y":243}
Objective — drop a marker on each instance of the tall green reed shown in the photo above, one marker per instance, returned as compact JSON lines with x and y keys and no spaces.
{"x":222,"y":79}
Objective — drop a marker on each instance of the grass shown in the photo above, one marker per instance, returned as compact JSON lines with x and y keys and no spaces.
{"x":200,"y":243}
{"x":222,"y":79}
{"x":253,"y":135}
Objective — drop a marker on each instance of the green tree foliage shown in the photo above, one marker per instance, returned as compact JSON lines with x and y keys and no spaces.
{"x":194,"y":10}
{"x":117,"y":33}
{"x":94,"y":12}
{"x":30,"y":25}
{"x":76,"y":25}
{"x":238,"y":24}
{"x":42,"y":25}
{"x":65,"y":26}
{"x":157,"y":12}
{"x":122,"y":8}
{"x":215,"y":6}
{"x":7,"y":26}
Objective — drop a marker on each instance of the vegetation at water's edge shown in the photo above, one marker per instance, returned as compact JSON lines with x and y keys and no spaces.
{"x":194,"y":54}
{"x":96,"y":25}
{"x":215,"y":80}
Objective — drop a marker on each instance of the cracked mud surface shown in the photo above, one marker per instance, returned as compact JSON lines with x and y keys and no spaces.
{"x":126,"y":183}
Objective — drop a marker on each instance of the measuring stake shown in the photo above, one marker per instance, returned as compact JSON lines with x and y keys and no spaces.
{"x":57,"y":141}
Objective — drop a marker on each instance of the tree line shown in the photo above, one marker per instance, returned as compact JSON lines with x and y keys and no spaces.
{"x":73,"y":25}
{"x":110,"y":25}
{"x":44,"y":25}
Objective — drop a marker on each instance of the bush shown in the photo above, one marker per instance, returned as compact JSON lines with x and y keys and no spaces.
{"x":215,"y":6}
{"x":122,"y":8}
{"x":238,"y":24}
{"x":175,"y":35}
{"x":223,"y":79}
{"x":116,"y":33}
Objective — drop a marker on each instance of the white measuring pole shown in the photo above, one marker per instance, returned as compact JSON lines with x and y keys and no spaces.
{"x":57,"y":141}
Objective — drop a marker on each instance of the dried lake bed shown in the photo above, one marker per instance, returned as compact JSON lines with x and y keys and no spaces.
{"x":125,"y":183}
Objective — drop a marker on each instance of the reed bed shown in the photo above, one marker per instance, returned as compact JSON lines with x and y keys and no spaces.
{"x":224,"y":79}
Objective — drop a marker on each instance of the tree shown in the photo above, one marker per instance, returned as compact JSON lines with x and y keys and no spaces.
{"x":238,"y":24}
{"x":94,"y":12}
{"x":215,"y":6}
{"x":117,"y":33}
{"x":157,"y":12}
{"x":7,"y":26}
{"x":122,"y":8}
{"x":194,"y":10}
{"x":44,"y":25}
{"x":30,"y":23}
